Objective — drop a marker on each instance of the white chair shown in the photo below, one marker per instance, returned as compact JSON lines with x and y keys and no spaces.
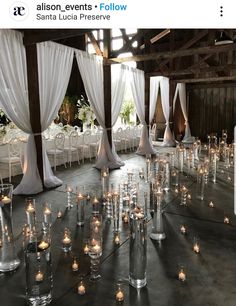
{"x":117,"y":136}
{"x":14,"y":157}
{"x":126,"y":139}
{"x":73,"y":148}
{"x":153,"y":132}
{"x":58,"y":150}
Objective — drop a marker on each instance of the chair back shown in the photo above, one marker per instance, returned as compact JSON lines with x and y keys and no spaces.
{"x":86,"y":135}
{"x":73,"y":139}
{"x":59,"y":141}
{"x":14,"y":148}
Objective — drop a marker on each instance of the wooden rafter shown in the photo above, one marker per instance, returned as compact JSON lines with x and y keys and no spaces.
{"x":176,"y":53}
{"x":205,"y":80}
{"x":157,"y":37}
{"x":35,"y":36}
{"x":95,"y":44}
{"x":127,"y":41}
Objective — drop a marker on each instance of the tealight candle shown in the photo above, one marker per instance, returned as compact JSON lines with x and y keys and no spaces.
{"x":183,"y":229}
{"x":119,"y":294}
{"x":39,"y":276}
{"x":86,"y":249}
{"x":81,"y":288}
{"x":75,"y":266}
{"x":117,"y":238}
{"x":6,"y":200}
{"x":182,"y":275}
{"x":66,"y":240}
{"x":196,"y":247}
{"x":59,"y":214}
{"x":226,"y":220}
{"x":211,"y":204}
{"x":43,"y":245}
{"x":30,"y":208}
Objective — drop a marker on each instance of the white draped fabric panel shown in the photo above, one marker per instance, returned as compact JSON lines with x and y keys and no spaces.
{"x":137,"y":82}
{"x":14,"y":102}
{"x":118,"y":85}
{"x":91,"y":69}
{"x":181,"y":90}
{"x":54,"y":70}
{"x":165,"y":101}
{"x":154,"y":90}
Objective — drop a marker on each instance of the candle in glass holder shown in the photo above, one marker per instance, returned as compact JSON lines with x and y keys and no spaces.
{"x":126,"y":218}
{"x":119,"y":293}
{"x":96,"y":248}
{"x":47,"y":213}
{"x":59,"y":214}
{"x":184,"y":192}
{"x":30,"y":208}
{"x":117,"y":238}
{"x":43,"y":245}
{"x":75,"y":265}
{"x":182,"y":275}
{"x":39,"y":277}
{"x":81,"y":288}
{"x":66,"y":241}
{"x":189,"y":196}
{"x":5,"y":200}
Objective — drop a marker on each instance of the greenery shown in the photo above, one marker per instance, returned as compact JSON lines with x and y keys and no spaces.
{"x":127,"y":109}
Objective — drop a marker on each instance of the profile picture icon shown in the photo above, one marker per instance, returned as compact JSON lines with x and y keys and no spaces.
{"x":19,"y":11}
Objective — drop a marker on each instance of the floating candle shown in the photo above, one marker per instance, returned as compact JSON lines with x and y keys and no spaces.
{"x":30,"y":208}
{"x":75,"y":266}
{"x":66,"y":240}
{"x":6,"y":200}
{"x":59,"y":214}
{"x":226,"y":220}
{"x":182,"y":275}
{"x":43,"y":245}
{"x":81,"y":288}
{"x":211,"y":204}
{"x":86,"y":249}
{"x":183,"y":229}
{"x":196,"y":247}
{"x":117,"y":239}
{"x":39,"y":276}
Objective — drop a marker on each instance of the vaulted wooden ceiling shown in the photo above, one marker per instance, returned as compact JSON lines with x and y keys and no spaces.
{"x":186,"y":55}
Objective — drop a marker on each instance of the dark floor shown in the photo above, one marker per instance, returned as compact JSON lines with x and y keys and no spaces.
{"x":211,"y":275}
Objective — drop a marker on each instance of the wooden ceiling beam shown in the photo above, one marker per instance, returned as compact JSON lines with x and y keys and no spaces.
{"x":176,"y":53}
{"x":36,"y":36}
{"x":194,"y":70}
{"x":95,"y":44}
{"x":127,"y":41}
{"x":207,"y":80}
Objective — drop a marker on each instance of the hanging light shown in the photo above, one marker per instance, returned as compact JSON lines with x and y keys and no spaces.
{"x":223,"y":39}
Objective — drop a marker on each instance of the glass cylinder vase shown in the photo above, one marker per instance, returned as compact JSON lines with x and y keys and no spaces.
{"x":138,"y":248}
{"x":8,"y":258}
{"x":38,"y":267}
{"x":200,"y":183}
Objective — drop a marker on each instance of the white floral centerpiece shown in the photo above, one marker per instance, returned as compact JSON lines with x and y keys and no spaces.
{"x":85,"y":112}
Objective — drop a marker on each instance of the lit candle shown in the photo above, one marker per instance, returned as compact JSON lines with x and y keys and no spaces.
{"x":183,"y":229}
{"x":120,"y":294}
{"x":80,"y":197}
{"x":39,"y":276}
{"x":75,"y":266}
{"x":0,"y":242}
{"x":139,"y":215}
{"x":59,"y":214}
{"x":126,"y":218}
{"x":30,"y":208}
{"x":43,"y":245}
{"x":66,"y":240}
{"x":211,"y":204}
{"x":81,"y":288}
{"x":176,"y":190}
{"x":226,"y":220}
{"x":182,"y":275}
{"x":189,"y":196}
{"x":196,"y":247}
{"x":47,"y":211}
{"x":117,"y":239}
{"x":6,"y":200}
{"x":86,"y":249}
{"x":96,"y":248}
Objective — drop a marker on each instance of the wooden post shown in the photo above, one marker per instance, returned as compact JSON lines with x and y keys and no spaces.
{"x":34,"y":103}
{"x":107,"y":85}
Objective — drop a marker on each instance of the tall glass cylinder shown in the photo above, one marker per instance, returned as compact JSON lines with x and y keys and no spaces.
{"x":8,"y":258}
{"x":80,"y":209}
{"x":38,"y":268}
{"x":30,"y":210}
{"x":116,"y":211}
{"x":148,"y":168}
{"x":138,"y":248}
{"x":200,"y":183}
{"x":69,"y":197}
{"x":180,"y":159}
{"x":166,"y":183}
{"x":175,"y":178}
{"x":213,"y":162}
{"x":157,"y":232}
{"x":184,"y":194}
{"x":104,"y":181}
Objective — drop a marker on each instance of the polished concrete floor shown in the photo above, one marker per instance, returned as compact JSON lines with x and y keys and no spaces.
{"x":210,"y":275}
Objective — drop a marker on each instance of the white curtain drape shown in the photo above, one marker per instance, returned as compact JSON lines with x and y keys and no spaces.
{"x":14,"y":102}
{"x":154,"y":90}
{"x":137,"y":82}
{"x":165,"y":102}
{"x":54,"y":69}
{"x":91,"y":69}
{"x":181,"y":90}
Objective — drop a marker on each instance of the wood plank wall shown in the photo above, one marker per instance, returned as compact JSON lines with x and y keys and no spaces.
{"x":211,"y":109}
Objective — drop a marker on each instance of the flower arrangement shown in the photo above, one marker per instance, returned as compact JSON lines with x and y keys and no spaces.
{"x":85,"y":112}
